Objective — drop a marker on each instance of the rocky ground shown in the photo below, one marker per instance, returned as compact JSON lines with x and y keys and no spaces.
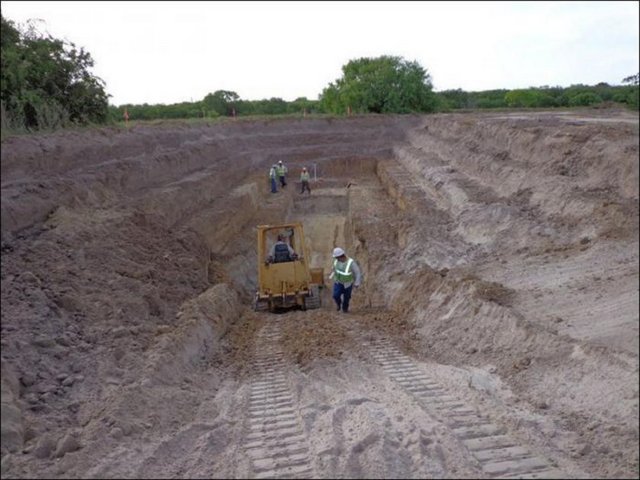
{"x":495,"y":333}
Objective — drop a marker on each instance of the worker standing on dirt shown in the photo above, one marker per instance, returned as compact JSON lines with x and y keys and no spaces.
{"x":304,"y":178}
{"x":272,"y":176}
{"x":282,"y":170}
{"x":347,"y":275}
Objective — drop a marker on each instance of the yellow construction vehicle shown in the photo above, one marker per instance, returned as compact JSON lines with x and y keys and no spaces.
{"x":285,"y":278}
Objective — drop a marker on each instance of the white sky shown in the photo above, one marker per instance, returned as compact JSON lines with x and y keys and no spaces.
{"x":167,"y":52}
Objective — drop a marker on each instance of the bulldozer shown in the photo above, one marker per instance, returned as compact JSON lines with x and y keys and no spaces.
{"x":285,"y":278}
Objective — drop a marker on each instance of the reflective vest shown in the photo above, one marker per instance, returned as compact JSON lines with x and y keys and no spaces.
{"x":281,"y":169}
{"x":304,"y":177}
{"x":281,"y":253}
{"x":343,"y":271}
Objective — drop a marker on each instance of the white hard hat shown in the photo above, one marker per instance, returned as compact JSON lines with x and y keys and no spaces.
{"x":337,"y":252}
{"x":280,"y":161}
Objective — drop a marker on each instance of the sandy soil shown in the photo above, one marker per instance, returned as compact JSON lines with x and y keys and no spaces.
{"x":495,"y":334}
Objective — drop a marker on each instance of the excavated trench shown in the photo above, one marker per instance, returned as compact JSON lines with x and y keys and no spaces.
{"x":494,"y":336}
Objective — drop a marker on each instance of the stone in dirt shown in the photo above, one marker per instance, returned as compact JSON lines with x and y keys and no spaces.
{"x":44,"y":447}
{"x":69,"y":443}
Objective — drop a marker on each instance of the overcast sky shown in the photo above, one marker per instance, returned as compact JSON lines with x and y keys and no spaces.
{"x":167,"y":52}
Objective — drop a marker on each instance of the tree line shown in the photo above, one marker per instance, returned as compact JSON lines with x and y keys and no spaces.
{"x":331,"y":103}
{"x":545,"y":97}
{"x":221,"y":103}
{"x":47,"y":84}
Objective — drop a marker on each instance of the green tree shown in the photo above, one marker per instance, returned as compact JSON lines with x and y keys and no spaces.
{"x":488,"y":99}
{"x":330,"y":101}
{"x":632,"y":94}
{"x":46,"y":82}
{"x":584,"y":99}
{"x":632,"y":79}
{"x":521,"y":98}
{"x":301,"y":104}
{"x":454,"y":99}
{"x":386,"y":84}
{"x":223,"y":102}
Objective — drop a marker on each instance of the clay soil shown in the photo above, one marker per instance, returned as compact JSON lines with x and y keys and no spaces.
{"x":495,"y":333}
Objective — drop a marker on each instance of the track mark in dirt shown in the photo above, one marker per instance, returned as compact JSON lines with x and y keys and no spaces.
{"x":275,"y":442}
{"x":498,"y":453}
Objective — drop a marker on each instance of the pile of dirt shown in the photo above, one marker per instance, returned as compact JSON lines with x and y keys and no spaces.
{"x":314,"y":336}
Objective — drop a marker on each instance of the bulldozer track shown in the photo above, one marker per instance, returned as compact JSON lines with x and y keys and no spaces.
{"x":498,"y":454}
{"x":275,"y":442}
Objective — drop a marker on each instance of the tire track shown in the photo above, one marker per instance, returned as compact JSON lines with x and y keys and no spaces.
{"x":499,"y":455}
{"x":275,"y":441}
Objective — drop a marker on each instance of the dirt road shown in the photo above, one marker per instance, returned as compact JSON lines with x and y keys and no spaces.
{"x":495,"y":334}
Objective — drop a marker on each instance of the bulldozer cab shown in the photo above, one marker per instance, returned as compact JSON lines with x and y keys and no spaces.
{"x":282,"y":247}
{"x":285,"y":278}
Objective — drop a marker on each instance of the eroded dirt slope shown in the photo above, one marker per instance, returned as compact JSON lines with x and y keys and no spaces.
{"x":495,"y":334}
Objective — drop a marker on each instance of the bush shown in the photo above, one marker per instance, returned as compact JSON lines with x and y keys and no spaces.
{"x":584,"y":99}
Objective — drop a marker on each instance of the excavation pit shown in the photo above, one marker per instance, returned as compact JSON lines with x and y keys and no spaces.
{"x":129,"y":266}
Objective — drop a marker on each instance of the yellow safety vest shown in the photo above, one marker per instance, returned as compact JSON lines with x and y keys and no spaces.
{"x":343,"y":271}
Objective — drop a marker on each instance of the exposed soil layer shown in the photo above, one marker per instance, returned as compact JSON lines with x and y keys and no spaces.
{"x":495,"y":333}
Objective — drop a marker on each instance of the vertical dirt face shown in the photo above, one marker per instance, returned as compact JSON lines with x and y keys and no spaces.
{"x":495,"y":333}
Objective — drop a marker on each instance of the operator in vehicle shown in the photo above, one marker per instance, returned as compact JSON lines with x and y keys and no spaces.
{"x":281,"y":251}
{"x":347,"y":275}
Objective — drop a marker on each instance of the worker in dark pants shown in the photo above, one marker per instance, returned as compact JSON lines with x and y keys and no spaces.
{"x":304,"y":179}
{"x":282,"y":171}
{"x":347,"y":275}
{"x":273,"y":173}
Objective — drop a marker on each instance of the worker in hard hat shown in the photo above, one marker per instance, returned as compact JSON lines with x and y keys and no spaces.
{"x":304,"y":179}
{"x":273,"y":174}
{"x":347,"y":275}
{"x":282,"y":170}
